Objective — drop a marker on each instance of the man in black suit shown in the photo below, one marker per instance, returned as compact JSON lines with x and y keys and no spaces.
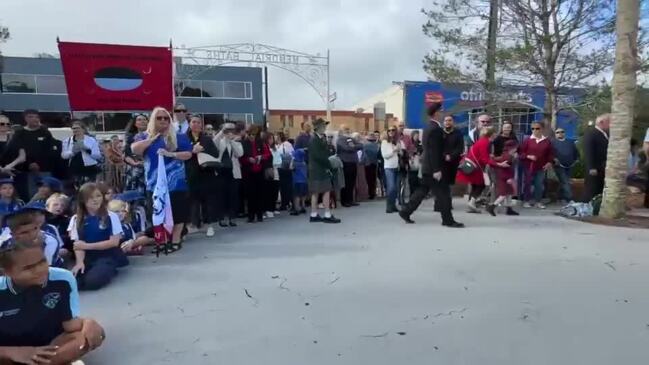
{"x":432,"y":166}
{"x":595,"y":143}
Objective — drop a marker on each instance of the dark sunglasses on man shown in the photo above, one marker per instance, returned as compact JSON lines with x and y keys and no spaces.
{"x":180,"y":110}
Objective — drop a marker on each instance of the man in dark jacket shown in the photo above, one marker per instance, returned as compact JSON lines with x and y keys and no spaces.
{"x":432,"y":169}
{"x":42,"y":153}
{"x":566,"y":155}
{"x":347,"y":148}
{"x":453,"y":150}
{"x":595,"y":143}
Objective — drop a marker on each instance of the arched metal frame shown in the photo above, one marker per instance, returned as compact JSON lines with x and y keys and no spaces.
{"x":313,"y":69}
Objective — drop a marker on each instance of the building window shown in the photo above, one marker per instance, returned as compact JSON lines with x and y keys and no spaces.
{"x":290,"y":121}
{"x":14,"y":83}
{"x":249,"y":118}
{"x":50,"y":84}
{"x":282,"y":119}
{"x":367,"y":124}
{"x":313,"y":118}
{"x":213,"y":89}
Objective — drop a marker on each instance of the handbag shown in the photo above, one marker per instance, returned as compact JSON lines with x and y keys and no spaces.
{"x":466,"y":166}
{"x":205,"y":160}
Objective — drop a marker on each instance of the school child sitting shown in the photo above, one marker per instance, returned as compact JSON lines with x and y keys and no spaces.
{"x":9,"y":201}
{"x":46,"y":187}
{"x":96,"y":233}
{"x":135,"y":200}
{"x":28,"y":224}
{"x":131,"y":243}
{"x":57,"y":207}
{"x":40,"y":322}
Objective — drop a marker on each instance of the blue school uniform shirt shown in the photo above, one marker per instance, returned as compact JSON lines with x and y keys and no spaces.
{"x":175,"y":168}
{"x":94,"y":231}
{"x":34,"y":316}
{"x":52,"y":244}
{"x":11,"y":207}
{"x":128,"y":234}
{"x":299,"y":172}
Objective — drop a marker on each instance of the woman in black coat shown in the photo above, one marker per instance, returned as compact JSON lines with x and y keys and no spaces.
{"x":201,"y":179}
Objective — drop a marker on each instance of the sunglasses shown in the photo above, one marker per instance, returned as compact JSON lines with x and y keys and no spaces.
{"x":180,"y":110}
{"x":536,"y":129}
{"x":161,"y":118}
{"x":5,"y":124}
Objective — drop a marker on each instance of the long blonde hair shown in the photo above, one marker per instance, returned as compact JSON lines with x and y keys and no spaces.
{"x":170,"y":139}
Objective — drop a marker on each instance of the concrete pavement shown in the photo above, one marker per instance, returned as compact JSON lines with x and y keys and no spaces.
{"x":535,"y":289}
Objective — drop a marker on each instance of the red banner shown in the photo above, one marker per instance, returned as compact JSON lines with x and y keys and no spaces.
{"x":112,"y":77}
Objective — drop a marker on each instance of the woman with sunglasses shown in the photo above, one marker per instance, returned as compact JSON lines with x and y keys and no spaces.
{"x":134,"y":171}
{"x":9,"y":159}
{"x":537,"y":156}
{"x":160,"y":138}
{"x":83,"y":155}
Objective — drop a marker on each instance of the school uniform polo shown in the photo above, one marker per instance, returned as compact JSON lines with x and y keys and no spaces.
{"x":94,"y":231}
{"x":52,"y":243}
{"x":35,"y":316}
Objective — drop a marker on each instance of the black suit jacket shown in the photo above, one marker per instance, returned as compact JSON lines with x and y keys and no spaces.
{"x":433,"y":145}
{"x":453,"y":146}
{"x":595,"y":149}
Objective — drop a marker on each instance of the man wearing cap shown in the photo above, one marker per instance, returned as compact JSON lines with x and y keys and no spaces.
{"x":320,"y":173}
{"x":566,"y":156}
{"x":42,"y":153}
{"x":432,"y":161}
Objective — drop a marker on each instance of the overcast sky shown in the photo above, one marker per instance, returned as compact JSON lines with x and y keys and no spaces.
{"x":372,"y":42}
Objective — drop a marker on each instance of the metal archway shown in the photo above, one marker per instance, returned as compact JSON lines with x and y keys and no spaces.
{"x":313,"y":69}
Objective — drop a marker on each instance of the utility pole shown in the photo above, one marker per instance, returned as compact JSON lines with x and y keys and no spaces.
{"x":490,"y":76}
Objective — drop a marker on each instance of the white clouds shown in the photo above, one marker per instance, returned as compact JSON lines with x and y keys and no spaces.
{"x":372,"y":42}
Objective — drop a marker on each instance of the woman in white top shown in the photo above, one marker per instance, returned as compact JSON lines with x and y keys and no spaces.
{"x":83,"y":155}
{"x":285,"y":149}
{"x":391,"y":150}
{"x":228,"y":174}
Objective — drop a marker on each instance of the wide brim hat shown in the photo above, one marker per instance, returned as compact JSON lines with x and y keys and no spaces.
{"x":318,"y":122}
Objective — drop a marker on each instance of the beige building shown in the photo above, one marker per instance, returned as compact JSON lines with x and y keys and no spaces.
{"x":290,"y":121}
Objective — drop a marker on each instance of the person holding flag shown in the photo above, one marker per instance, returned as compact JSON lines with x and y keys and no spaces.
{"x":164,"y":151}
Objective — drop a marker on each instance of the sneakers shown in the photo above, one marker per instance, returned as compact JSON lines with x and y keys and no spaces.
{"x":210,"y":231}
{"x":527,"y":205}
{"x":453,"y":224}
{"x":269,"y":215}
{"x":277,"y":212}
{"x":540,"y":206}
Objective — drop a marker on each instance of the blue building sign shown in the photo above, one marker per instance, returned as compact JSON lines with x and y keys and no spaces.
{"x":521,"y":105}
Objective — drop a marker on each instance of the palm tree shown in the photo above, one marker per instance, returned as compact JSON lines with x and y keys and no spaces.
{"x":624,"y":89}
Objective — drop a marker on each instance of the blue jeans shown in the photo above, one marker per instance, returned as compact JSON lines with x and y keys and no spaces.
{"x":392,"y":184}
{"x":536,"y":179}
{"x":564,"y":174}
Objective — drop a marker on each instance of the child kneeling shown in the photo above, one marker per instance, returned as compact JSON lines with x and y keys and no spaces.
{"x":40,"y":321}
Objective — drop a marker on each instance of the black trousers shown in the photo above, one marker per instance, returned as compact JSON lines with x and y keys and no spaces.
{"x":227,"y":202}
{"x":347,"y":194}
{"x":254,"y":187}
{"x":203,"y":199}
{"x":370,"y":177}
{"x":442,"y":198}
{"x":593,"y":185}
{"x":271,"y":188}
{"x":413,"y":181}
{"x":286,"y":188}
{"x":646,"y":189}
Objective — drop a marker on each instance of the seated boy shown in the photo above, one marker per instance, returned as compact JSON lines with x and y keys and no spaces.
{"x":56,"y":206}
{"x":40,"y":321}
{"x":28,"y":224}
{"x":46,"y":187}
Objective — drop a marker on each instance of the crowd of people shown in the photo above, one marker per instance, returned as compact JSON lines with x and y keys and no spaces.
{"x":73,"y":211}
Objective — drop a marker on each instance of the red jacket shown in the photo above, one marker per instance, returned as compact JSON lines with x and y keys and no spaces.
{"x":479,"y":154}
{"x":250,"y":149}
{"x":541,"y":148}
